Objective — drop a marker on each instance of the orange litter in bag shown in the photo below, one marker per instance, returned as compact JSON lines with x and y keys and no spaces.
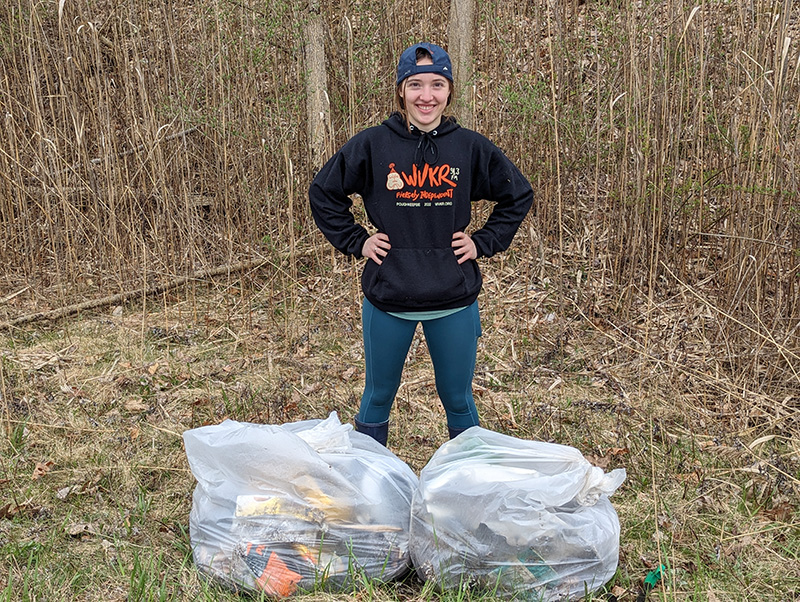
{"x":310,"y":505}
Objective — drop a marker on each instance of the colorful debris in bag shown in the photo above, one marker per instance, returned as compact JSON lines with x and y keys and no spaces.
{"x":520,"y":519}
{"x":278,"y":575}
{"x":302,"y":506}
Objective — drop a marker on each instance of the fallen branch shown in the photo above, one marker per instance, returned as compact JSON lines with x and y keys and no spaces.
{"x":69,"y":310}
{"x":130,"y":151}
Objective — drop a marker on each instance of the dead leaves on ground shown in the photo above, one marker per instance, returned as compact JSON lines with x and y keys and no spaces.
{"x":87,"y":487}
{"x":41,"y":469}
{"x":13,"y":509}
{"x":80,"y":530}
{"x":26,"y":508}
{"x":605,"y":459}
{"x":29,"y":508}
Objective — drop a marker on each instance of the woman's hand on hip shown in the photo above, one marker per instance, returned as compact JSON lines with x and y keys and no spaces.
{"x":376,"y":247}
{"x":463,"y":247}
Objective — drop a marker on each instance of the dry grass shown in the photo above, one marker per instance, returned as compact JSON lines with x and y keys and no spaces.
{"x":647,"y":313}
{"x":98,"y":490}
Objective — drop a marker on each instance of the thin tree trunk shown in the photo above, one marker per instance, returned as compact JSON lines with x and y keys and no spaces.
{"x":460,"y":30}
{"x":317,"y":99}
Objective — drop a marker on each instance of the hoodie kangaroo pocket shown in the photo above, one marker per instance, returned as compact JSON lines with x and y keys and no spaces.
{"x":418,"y":276}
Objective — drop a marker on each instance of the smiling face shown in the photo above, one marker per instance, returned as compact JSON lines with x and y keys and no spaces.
{"x":424,"y":97}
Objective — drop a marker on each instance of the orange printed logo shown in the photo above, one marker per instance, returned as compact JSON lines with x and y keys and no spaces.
{"x":432,"y":176}
{"x":393,"y":180}
{"x":427,"y":186}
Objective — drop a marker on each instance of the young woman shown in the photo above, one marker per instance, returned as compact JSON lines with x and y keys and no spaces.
{"x":418,"y":173}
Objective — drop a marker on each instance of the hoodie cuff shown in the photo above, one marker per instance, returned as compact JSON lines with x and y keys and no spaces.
{"x":480,"y":247}
{"x":356,"y":252}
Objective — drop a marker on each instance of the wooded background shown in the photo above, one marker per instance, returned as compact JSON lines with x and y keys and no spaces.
{"x":146,"y":144}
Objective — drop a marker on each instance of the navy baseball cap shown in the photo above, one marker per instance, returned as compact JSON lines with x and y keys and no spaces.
{"x":407,"y":65}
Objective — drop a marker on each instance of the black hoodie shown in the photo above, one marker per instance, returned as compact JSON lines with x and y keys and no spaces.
{"x":418,"y":188}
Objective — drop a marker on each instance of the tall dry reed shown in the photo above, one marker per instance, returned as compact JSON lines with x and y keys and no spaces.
{"x":143,"y":141}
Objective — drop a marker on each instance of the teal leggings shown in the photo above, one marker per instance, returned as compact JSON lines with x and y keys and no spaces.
{"x":452,"y":342}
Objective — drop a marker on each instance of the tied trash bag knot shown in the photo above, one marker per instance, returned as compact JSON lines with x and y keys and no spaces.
{"x":598,"y":483}
{"x":329,"y":436}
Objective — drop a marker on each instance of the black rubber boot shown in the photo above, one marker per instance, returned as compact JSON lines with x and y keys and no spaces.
{"x":456,"y":432}
{"x":377,"y":430}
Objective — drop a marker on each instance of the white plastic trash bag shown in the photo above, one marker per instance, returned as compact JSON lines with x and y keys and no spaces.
{"x":522,"y":519}
{"x":283,"y":509}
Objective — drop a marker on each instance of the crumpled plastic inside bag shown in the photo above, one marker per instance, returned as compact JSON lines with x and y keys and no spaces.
{"x":523,"y":519}
{"x":310,"y":504}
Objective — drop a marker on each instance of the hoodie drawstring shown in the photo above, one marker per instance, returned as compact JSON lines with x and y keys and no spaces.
{"x":426,"y":146}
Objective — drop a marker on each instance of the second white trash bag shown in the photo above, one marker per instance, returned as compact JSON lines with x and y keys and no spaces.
{"x":286,"y":508}
{"x":518,"y":518}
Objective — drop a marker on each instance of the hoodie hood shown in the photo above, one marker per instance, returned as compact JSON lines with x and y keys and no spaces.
{"x":397,"y":124}
{"x":427,"y":150}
